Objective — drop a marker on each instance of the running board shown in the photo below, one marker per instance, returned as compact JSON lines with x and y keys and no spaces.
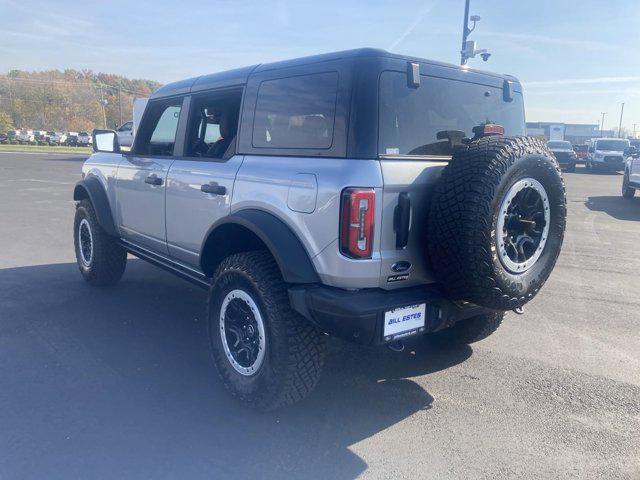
{"x":192,"y":276}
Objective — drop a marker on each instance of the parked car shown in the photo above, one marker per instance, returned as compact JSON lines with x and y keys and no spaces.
{"x":631,"y":178}
{"x":26,"y":137}
{"x":305,"y":199}
{"x":72,"y":139}
{"x":581,"y":152}
{"x":607,"y":154}
{"x":13,"y":136}
{"x":58,"y":138}
{"x":4,"y":138}
{"x":84,"y":139}
{"x":564,"y":153}
{"x":125,"y":134}
{"x":40,"y":137}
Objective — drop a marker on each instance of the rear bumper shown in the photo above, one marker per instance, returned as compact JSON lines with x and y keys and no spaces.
{"x":358,"y":316}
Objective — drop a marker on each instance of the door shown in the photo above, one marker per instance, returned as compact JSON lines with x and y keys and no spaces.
{"x":200,"y":184}
{"x":142,"y":175}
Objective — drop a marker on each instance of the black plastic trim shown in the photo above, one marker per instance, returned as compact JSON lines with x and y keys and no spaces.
{"x":358,"y":316}
{"x":289,"y":253}
{"x":98,"y":197}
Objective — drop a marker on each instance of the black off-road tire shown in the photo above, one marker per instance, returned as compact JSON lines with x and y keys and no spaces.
{"x":469,"y":330}
{"x":295,"y":349}
{"x":627,"y":191}
{"x":461,"y":234}
{"x":108,"y":259}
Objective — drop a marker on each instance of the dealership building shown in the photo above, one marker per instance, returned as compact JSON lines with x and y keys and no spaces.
{"x":576,"y":133}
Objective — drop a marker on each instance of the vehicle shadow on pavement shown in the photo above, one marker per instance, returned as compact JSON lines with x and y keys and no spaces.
{"x":120,"y":380}
{"x":618,"y":207}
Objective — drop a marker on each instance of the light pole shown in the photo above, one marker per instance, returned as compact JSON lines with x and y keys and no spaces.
{"x":469,"y":47}
{"x":602,"y":123}
{"x":620,"y":124}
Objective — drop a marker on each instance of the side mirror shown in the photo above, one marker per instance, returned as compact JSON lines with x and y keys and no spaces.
{"x":591,"y":150}
{"x":105,"y":141}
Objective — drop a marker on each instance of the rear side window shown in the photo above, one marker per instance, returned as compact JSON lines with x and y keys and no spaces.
{"x":430,"y":119}
{"x":296,"y":112}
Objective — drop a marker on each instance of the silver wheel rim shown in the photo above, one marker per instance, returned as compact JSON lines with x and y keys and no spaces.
{"x":243,"y":333}
{"x":524,"y":207}
{"x":85,"y":242}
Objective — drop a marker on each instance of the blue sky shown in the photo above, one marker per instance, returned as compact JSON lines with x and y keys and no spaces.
{"x":575,"y":58}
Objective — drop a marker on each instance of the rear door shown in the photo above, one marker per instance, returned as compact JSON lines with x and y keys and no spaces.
{"x":200,"y":182}
{"x":142,"y":176}
{"x":418,"y":128}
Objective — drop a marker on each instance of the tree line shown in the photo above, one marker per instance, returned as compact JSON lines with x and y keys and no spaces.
{"x":69,"y":100}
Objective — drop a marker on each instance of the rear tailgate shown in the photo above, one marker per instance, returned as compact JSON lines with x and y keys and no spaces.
{"x":413,"y":180}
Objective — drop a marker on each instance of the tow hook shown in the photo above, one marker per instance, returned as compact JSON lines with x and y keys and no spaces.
{"x":396,"y":346}
{"x":518,"y":310}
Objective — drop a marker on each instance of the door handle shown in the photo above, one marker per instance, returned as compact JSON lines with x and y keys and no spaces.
{"x":153,"y":180}
{"x":213,"y":188}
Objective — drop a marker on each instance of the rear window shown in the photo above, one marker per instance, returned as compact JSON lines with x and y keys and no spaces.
{"x":613,"y":144}
{"x":419,"y":121}
{"x":296,"y":112}
{"x":559,"y":145}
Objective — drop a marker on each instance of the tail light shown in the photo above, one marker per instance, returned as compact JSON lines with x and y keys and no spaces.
{"x":356,"y":222}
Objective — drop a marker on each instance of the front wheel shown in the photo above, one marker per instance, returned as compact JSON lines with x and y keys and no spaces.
{"x":267,"y":355}
{"x":469,"y":330}
{"x":100,"y":259}
{"x":627,"y":190}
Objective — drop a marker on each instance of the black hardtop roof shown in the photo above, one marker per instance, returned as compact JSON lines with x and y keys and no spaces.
{"x":239,"y":76}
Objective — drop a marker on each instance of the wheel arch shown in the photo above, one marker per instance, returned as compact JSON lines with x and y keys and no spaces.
{"x":91,"y":188}
{"x":253,"y":229}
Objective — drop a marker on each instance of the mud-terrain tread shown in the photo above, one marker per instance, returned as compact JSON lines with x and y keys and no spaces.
{"x":109,"y":259}
{"x":298,"y":361}
{"x":460,"y":219}
{"x":468,"y":331}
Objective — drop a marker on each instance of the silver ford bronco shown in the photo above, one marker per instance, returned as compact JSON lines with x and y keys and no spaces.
{"x":361,"y":194}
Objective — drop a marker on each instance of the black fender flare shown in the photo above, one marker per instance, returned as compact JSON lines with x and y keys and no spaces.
{"x":92,"y":189}
{"x":288,"y":251}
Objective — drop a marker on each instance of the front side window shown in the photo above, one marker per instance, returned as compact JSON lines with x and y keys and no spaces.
{"x":432,"y":118}
{"x":296,"y":112}
{"x":158,"y":134}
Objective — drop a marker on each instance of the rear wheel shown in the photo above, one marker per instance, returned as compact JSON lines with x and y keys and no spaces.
{"x":267,"y":355}
{"x":469,"y":330}
{"x":627,"y":190}
{"x":100,"y":259}
{"x":497,"y":221}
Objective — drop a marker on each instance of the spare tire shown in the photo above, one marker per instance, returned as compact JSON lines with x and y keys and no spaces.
{"x":496,"y":221}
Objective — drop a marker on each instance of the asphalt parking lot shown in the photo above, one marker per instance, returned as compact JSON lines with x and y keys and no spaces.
{"x":118,"y":382}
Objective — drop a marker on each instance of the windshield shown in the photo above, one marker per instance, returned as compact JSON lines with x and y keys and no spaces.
{"x":429,"y":119}
{"x":617,"y":145}
{"x":559,"y":145}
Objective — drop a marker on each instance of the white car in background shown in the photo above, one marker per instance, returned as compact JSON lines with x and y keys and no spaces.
{"x":84,"y":139}
{"x":26,"y":137}
{"x":631,"y":178}
{"x":606,"y":154}
{"x":125,"y":134}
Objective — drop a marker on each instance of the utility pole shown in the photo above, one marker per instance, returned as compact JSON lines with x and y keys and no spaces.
{"x":103,"y":103}
{"x":620,"y":124}
{"x":120,"y":102}
{"x":602,"y":123}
